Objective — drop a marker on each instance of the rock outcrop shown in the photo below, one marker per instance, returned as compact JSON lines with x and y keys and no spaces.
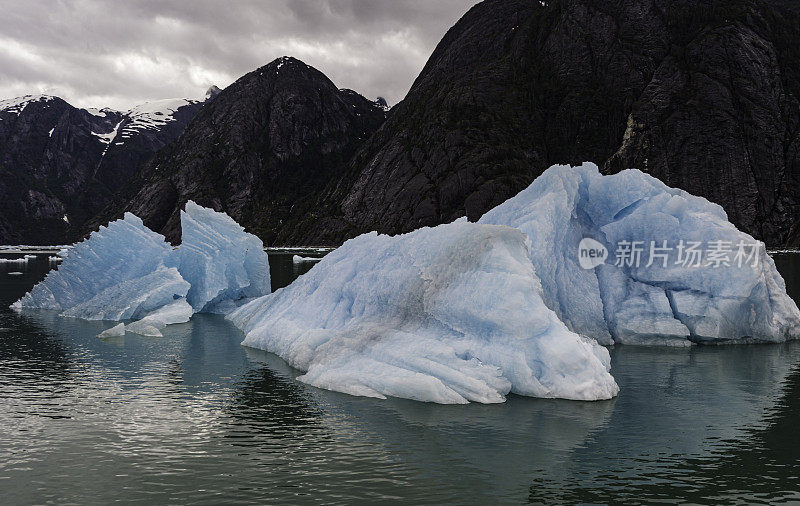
{"x":261,"y":152}
{"x":701,"y":94}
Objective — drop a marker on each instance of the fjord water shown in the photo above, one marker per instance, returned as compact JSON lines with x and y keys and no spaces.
{"x":195,"y":417}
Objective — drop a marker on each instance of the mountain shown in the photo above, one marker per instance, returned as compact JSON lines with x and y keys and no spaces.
{"x":702,"y":94}
{"x":261,"y":151}
{"x":60,"y":165}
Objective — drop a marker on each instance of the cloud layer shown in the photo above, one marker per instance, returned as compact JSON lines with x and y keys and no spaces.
{"x":97,"y":53}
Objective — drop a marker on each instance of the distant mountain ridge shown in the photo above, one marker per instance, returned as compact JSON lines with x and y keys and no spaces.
{"x":261,"y":151}
{"x":703,"y":94}
{"x":60,"y":165}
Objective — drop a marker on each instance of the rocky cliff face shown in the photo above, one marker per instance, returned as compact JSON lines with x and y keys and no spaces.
{"x":261,"y":151}
{"x":701,"y":94}
{"x":60,"y":165}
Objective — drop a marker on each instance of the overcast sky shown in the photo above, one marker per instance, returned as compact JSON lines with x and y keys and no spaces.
{"x":105,"y":53}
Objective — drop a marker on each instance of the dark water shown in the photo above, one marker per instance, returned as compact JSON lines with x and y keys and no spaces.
{"x":196,"y":418}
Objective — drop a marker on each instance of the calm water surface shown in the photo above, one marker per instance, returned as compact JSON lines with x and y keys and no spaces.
{"x":195,"y":417}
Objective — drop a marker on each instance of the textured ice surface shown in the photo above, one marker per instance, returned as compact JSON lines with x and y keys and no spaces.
{"x":178,"y":311}
{"x":121,"y":252}
{"x":127,"y":271}
{"x":134,"y":298}
{"x":677,"y":303}
{"x":219,"y":259}
{"x":450,"y":314}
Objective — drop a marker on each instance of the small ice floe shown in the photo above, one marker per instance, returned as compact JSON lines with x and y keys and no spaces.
{"x":15,"y":261}
{"x":54,"y":259}
{"x":297,"y":259}
{"x":15,"y":273}
{"x":151,"y":325}
{"x":115,"y":331}
{"x":30,"y":257}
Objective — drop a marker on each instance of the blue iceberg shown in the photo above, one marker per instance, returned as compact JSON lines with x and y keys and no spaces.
{"x":450,"y":314}
{"x":675,"y":271}
{"x":134,"y":298}
{"x":121,"y":252}
{"x":219,"y":259}
{"x":125,"y":271}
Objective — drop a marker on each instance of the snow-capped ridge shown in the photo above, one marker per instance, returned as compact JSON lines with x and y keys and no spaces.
{"x":18,"y":104}
{"x":152,"y":115}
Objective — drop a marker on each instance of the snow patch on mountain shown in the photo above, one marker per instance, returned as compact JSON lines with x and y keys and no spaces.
{"x":106,"y":138}
{"x":152,"y":115}
{"x":18,"y":104}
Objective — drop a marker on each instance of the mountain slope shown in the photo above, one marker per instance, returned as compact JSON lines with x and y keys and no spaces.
{"x":60,"y":165}
{"x":702,"y":94}
{"x":261,"y":152}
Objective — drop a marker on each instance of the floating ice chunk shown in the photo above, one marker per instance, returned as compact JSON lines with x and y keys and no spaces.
{"x":127,"y":271}
{"x":297,"y":259}
{"x":15,"y":261}
{"x":178,"y":311}
{"x":15,"y":273}
{"x":219,"y":259}
{"x":450,"y":314}
{"x":630,"y":300}
{"x":122,"y":251}
{"x":115,"y":331}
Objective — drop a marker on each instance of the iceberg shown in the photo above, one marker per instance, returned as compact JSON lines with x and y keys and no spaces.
{"x":450,"y":314}
{"x":125,"y":271}
{"x":219,"y":259}
{"x":121,"y":252}
{"x":668,"y":267}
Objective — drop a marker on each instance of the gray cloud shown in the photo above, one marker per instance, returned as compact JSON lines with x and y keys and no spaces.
{"x":96,"y":53}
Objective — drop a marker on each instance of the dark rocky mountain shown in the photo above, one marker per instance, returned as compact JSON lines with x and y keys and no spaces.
{"x":60,"y":165}
{"x":262,"y":151}
{"x":703,"y":94}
